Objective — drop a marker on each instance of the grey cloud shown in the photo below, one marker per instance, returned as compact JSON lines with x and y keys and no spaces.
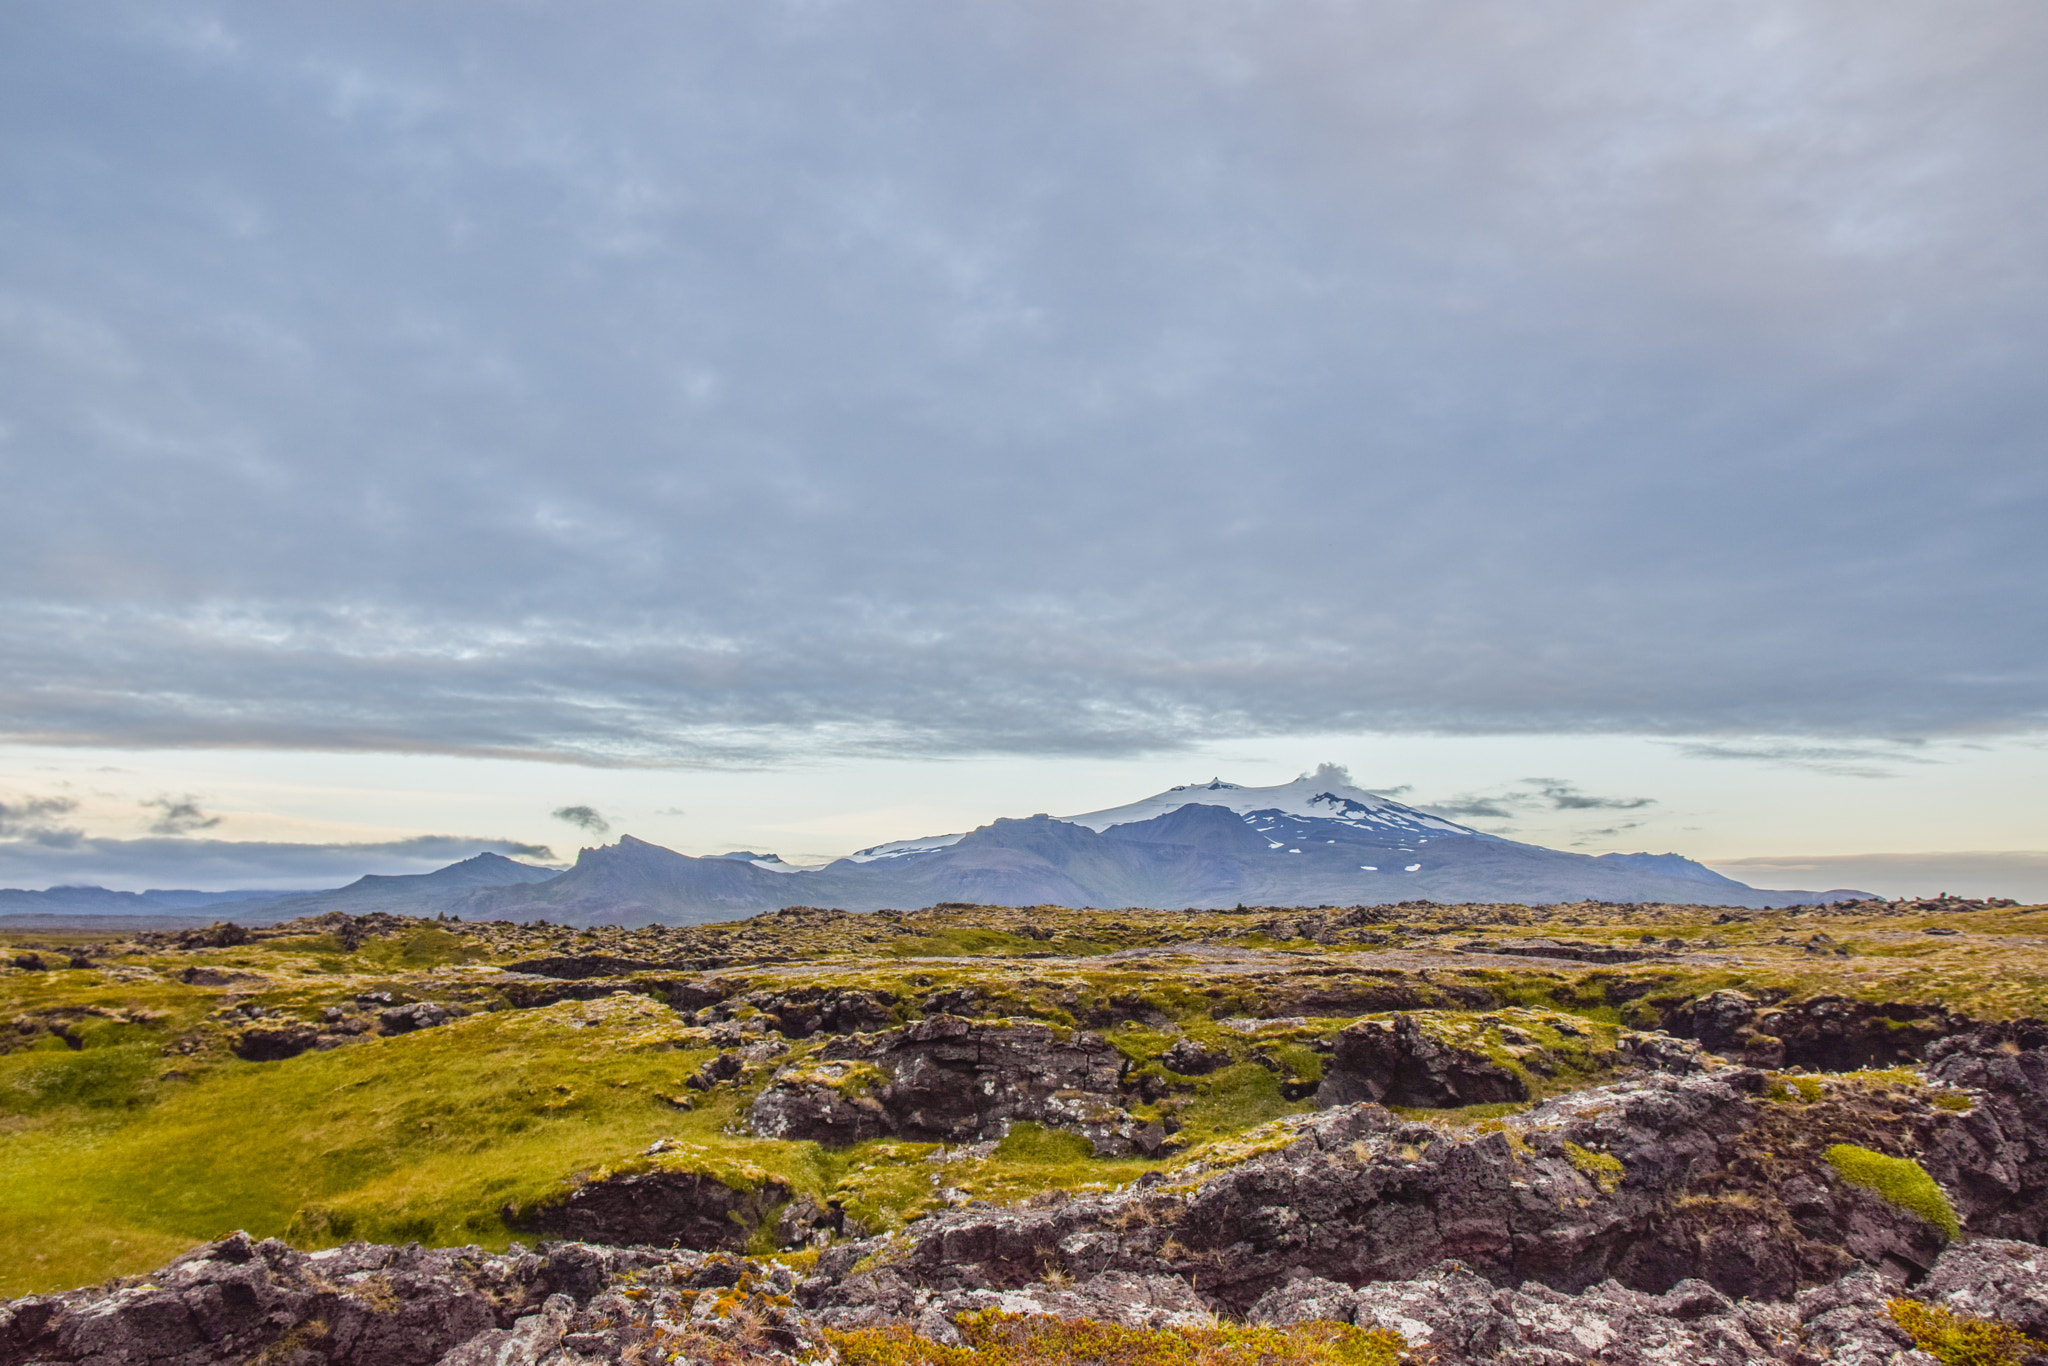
{"x":216,"y":865}
{"x":35,"y":818}
{"x":1471,"y":808}
{"x":2019,"y":874}
{"x":1604,"y":834}
{"x":584,"y":818}
{"x":1849,"y":761}
{"x":1538,"y":794}
{"x":1564,"y":796}
{"x":179,"y":816}
{"x":698,"y":383}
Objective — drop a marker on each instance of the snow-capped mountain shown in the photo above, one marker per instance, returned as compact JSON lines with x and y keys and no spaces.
{"x":1318,"y":840}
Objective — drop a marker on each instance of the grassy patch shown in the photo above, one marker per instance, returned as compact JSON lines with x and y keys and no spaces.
{"x":993,"y":1338}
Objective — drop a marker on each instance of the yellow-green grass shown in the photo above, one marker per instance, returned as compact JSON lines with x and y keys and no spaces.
{"x":993,"y":1338}
{"x":1962,"y":1340}
{"x":421,"y":1136}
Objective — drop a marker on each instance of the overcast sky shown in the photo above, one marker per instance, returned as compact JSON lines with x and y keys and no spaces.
{"x":847,"y":397}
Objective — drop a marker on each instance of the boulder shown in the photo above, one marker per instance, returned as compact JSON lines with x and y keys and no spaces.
{"x":947,"y":1079}
{"x":658,"y":1208}
{"x":1397,"y":1062}
{"x":801,"y":1011}
{"x":417,"y":1015}
{"x":275,"y":1040}
{"x":1822,"y":1034}
{"x":1191,"y":1059}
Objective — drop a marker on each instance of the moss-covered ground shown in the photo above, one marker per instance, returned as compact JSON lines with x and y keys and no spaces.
{"x":130,"y":1128}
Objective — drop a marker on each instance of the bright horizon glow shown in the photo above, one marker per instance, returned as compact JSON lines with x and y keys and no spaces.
{"x":1745,"y":816}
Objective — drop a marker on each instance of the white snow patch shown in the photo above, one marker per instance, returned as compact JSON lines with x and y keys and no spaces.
{"x":904,"y":848}
{"x":1315,"y":797}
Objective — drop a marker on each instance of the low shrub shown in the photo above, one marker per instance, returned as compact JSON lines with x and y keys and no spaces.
{"x":1956,"y":1340}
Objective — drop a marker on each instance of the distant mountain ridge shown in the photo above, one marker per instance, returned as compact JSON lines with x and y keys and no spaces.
{"x":1315,"y":841}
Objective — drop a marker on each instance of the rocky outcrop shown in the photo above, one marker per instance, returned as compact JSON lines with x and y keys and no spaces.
{"x":365,"y":1305}
{"x":1191,"y":1059}
{"x":404,"y":1019}
{"x":659,"y":1208}
{"x":1564,"y":950}
{"x":801,"y":1011}
{"x":1824,"y":1034}
{"x":1649,"y":1182}
{"x":1397,"y":1062}
{"x":951,"y":1080}
{"x":576,"y":1304}
{"x":273,"y":1041}
{"x":1452,"y":1315}
{"x":574,"y":967}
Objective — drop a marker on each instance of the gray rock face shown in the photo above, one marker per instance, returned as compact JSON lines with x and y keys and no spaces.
{"x":1397,"y":1063}
{"x":574,"y":1304}
{"x":1993,"y":1278}
{"x":951,"y":1080}
{"x":1455,"y":1316}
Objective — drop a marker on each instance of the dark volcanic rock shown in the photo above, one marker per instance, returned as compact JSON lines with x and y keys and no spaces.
{"x":951,"y":1080}
{"x":1191,"y":1059}
{"x":799,"y":1012}
{"x":274,"y":1041}
{"x":1565,"y":950}
{"x":1824,"y":1034}
{"x":658,"y":1208}
{"x":575,"y":967}
{"x":1396,"y":1062}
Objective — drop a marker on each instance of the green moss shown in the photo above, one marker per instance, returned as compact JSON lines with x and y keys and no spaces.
{"x":1603,"y":1169}
{"x":1900,"y":1180}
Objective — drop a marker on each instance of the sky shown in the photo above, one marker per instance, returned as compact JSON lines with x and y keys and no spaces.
{"x":806,"y":423}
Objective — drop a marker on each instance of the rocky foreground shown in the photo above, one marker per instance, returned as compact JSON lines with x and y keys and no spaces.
{"x":1703,"y":1213}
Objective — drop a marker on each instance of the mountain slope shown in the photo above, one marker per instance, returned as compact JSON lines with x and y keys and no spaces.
{"x":408,"y":893}
{"x":636,"y":882}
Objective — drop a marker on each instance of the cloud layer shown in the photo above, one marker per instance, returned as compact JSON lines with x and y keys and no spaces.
{"x":2019,"y":874}
{"x":713,"y":383}
{"x":215,"y":865}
